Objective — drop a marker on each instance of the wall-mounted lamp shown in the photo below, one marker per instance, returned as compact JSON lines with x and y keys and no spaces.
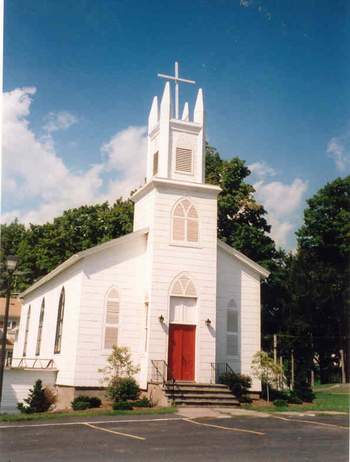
{"x":161,"y":319}
{"x":208,"y":322}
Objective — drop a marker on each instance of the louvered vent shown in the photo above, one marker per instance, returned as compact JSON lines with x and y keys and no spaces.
{"x":155,"y":163}
{"x":183,"y":160}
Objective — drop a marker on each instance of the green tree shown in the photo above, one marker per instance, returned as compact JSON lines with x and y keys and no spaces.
{"x":241,"y":219}
{"x":264,"y":369}
{"x":41,"y":248}
{"x":322,"y":272}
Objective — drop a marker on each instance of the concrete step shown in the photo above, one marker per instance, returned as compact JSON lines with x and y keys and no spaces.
{"x":207,"y":396}
{"x":195,"y":390}
{"x":196,"y":385}
{"x":207,"y":402}
{"x":200,"y":394}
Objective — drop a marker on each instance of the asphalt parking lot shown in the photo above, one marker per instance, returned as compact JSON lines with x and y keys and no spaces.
{"x":174,"y":438}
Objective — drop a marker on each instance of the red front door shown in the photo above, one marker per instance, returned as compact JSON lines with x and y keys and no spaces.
{"x":182,"y":339}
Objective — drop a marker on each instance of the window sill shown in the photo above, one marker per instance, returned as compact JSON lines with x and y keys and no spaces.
{"x":192,"y":245}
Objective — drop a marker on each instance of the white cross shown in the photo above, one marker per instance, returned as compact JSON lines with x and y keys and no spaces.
{"x":177,"y":80}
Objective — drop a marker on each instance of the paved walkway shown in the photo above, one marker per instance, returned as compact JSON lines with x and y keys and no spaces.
{"x":226,"y":412}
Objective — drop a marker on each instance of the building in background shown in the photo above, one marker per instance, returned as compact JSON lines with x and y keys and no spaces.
{"x":12,"y":325}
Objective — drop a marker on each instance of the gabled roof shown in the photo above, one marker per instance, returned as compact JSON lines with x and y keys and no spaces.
{"x":242,"y":258}
{"x":81,"y":255}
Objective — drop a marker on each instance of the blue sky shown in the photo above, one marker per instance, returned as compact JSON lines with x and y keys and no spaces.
{"x":79,"y":77}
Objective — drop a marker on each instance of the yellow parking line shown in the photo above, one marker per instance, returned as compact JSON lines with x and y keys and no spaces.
{"x":312,"y":422}
{"x":114,"y":432}
{"x":231,"y":429}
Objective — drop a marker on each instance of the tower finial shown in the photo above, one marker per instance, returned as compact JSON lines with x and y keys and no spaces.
{"x":198,"y":115}
{"x":153,"y":115}
{"x":177,"y":79}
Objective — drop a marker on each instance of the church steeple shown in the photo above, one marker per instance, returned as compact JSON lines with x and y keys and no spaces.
{"x":176,"y":145}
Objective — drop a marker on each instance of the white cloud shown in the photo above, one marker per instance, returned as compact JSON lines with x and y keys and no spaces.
{"x":59,"y":121}
{"x":338,"y":150}
{"x":261,"y":169}
{"x":282,"y":201}
{"x":35,"y":173}
{"x":280,"y":230}
{"x":279,"y":198}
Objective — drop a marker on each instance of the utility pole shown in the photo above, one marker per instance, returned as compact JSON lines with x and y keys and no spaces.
{"x":275,"y":348}
{"x":292,"y":370}
{"x":342,"y":365}
{"x":11,"y":263}
{"x":281,"y":375}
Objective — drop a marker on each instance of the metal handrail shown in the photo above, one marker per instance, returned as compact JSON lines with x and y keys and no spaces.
{"x":165,"y":376}
{"x":33,"y":363}
{"x":218,"y":368}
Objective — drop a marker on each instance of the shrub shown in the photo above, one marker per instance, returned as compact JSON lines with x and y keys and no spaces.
{"x":275,"y":394}
{"x":280,"y":403}
{"x":143,"y":402}
{"x":122,"y":406}
{"x":238,"y":383}
{"x":81,"y":405}
{"x":304,"y":392}
{"x":293,"y":399}
{"x":95,"y":402}
{"x":85,"y":402}
{"x":37,"y":401}
{"x":123,"y":388}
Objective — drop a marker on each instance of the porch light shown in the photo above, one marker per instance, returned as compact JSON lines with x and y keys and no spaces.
{"x":161,"y":319}
{"x":208,"y":322}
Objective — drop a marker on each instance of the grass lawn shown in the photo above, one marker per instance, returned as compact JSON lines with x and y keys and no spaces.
{"x":325,"y":401}
{"x":87,"y":413}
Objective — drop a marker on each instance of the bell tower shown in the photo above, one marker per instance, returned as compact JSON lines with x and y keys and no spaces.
{"x":176,"y":145}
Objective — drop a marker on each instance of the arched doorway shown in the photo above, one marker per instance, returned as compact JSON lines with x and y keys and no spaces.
{"x":182,"y":329}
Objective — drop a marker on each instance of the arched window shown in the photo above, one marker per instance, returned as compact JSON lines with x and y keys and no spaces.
{"x":111,"y":323}
{"x":26,"y":332}
{"x":183,"y":301}
{"x":40,"y":328}
{"x":59,"y":325}
{"x":185,"y":222}
{"x":232,"y":329}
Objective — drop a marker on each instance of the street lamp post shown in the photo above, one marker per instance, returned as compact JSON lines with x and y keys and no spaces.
{"x":11,"y":263}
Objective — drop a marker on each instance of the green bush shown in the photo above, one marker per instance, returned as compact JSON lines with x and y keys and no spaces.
{"x":122,"y":406}
{"x":143,"y":402}
{"x":304,"y":392}
{"x":81,"y":405}
{"x":293,"y":399}
{"x":123,"y":389}
{"x":85,"y":402}
{"x":280,"y":403}
{"x":239,"y":384}
{"x":275,"y":394}
{"x":37,"y":400}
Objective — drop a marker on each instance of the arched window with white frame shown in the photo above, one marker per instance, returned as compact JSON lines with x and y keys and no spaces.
{"x":185,"y":222}
{"x":232,"y":328}
{"x":59,"y":324}
{"x":111,"y":320}
{"x":26,"y":332}
{"x":183,"y":300}
{"x":40,"y":328}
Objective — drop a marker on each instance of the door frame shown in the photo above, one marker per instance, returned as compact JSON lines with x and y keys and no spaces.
{"x":197,"y":335}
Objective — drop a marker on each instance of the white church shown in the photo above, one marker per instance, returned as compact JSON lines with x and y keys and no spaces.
{"x":185,"y":303}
